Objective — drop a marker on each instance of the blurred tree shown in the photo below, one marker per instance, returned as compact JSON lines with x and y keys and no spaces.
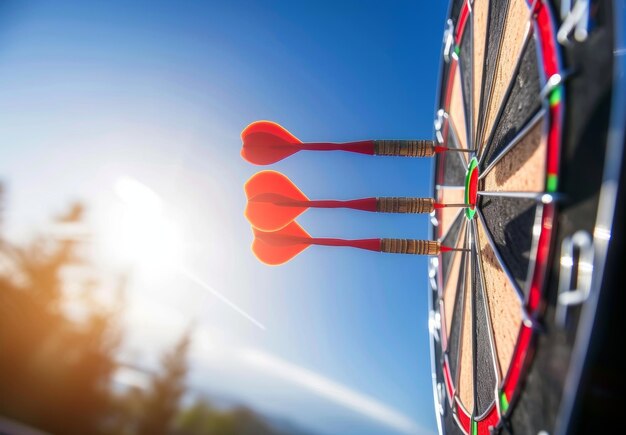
{"x":166,"y":390}
{"x":202,"y":418}
{"x":158,"y":409}
{"x":54,"y":371}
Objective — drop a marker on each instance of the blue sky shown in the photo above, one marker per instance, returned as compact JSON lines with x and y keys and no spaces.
{"x":157,"y":93}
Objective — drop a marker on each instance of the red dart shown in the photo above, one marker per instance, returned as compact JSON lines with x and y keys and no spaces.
{"x":274,"y":201}
{"x":278,"y":247}
{"x":266,"y":142}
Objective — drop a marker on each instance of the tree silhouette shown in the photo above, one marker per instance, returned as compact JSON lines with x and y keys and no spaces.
{"x":166,"y":389}
{"x":54,"y":371}
{"x":202,"y":418}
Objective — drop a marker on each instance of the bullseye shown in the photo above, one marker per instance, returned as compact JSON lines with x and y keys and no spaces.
{"x":471,"y":188}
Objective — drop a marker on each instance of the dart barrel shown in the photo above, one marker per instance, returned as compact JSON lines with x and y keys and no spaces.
{"x":404,"y":148}
{"x":410,"y":246}
{"x":405,"y":205}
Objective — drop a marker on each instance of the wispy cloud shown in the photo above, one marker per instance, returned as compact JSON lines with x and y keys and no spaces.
{"x":331,"y":390}
{"x":194,"y":278}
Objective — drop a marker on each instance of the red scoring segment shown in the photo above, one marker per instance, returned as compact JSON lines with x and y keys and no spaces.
{"x":473,"y":188}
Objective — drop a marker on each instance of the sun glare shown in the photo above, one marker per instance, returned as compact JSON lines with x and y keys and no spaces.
{"x":138,"y":233}
{"x":141,"y":233}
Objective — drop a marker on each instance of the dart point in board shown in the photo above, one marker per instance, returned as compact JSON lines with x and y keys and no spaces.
{"x":266,"y":142}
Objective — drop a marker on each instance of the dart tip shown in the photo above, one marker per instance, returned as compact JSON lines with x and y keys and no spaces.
{"x":440,"y":149}
{"x":448,"y":249}
{"x":438,"y":205}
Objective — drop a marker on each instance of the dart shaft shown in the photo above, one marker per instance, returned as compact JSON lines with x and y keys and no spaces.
{"x":365,"y":204}
{"x":367,"y":244}
{"x":380,"y":204}
{"x":362,"y":147}
{"x":391,"y":246}
{"x":401,"y":148}
{"x":391,"y":204}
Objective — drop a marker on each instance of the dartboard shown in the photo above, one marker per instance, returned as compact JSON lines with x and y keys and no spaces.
{"x":519,"y":93}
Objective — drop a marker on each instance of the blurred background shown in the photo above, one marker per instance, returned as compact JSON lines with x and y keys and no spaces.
{"x":130,"y":302}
